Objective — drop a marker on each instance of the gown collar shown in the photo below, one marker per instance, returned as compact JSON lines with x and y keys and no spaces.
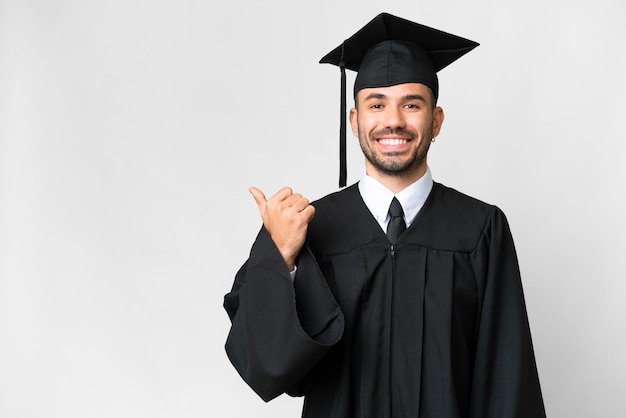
{"x":377,"y":197}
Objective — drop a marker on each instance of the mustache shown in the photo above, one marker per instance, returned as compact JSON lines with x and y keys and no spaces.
{"x":399,"y":132}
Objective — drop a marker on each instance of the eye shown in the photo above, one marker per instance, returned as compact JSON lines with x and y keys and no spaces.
{"x":411,"y":106}
{"x":376,"y":106}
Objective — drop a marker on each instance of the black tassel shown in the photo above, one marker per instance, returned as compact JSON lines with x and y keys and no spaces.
{"x":343,"y":166}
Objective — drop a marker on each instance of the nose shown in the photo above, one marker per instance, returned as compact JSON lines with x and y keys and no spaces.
{"x":394,"y":118}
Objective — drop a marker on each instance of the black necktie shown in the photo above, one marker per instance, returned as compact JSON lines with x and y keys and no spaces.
{"x":396,"y":224}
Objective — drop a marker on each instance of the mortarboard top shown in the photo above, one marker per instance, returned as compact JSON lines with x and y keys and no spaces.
{"x":388,"y":51}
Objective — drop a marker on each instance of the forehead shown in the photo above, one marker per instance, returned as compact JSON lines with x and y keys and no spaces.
{"x":397,"y":92}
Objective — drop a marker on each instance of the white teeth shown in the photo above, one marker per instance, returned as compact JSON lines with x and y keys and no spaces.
{"x":392,"y":141}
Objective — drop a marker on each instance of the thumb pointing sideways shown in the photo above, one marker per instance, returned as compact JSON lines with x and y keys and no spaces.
{"x":259,"y":198}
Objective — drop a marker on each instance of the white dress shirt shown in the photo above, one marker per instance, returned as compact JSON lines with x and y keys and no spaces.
{"x":378,"y":198}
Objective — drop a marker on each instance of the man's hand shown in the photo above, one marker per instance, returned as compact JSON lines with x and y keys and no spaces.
{"x":286,"y":216}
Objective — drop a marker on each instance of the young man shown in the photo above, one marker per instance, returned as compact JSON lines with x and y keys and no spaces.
{"x":397,"y":296}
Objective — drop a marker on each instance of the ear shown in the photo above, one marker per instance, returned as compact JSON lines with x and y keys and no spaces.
{"x":438,"y":117}
{"x":354,"y":114}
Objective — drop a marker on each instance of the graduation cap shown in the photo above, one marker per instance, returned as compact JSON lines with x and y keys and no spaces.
{"x":388,"y":51}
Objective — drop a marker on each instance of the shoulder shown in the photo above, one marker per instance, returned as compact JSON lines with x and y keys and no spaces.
{"x":342,"y":222}
{"x":338,"y":199}
{"x":453,"y":220}
{"x":449,"y":197}
{"x":338,"y":206}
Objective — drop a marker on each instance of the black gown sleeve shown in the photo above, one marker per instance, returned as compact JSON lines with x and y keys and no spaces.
{"x":505,"y":381}
{"x":280,"y":329}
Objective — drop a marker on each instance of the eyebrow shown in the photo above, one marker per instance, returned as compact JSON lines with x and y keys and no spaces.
{"x":374,"y":96}
{"x":408,"y":97}
{"x":415,"y":97}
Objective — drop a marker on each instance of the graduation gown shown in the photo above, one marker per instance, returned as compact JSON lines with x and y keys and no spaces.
{"x":433,"y":327}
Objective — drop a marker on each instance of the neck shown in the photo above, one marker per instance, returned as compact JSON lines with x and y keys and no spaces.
{"x":396,"y":183}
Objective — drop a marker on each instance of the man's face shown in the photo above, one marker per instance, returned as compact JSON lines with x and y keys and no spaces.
{"x":395,"y":126}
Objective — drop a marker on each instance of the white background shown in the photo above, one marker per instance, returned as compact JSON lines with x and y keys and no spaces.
{"x":130,"y":131}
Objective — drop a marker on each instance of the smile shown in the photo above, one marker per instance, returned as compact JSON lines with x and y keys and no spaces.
{"x":392,"y":141}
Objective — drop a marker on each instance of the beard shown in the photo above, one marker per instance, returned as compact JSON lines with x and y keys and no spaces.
{"x":395,"y":164}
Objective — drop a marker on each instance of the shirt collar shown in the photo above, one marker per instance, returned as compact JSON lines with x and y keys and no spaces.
{"x":377,"y":197}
